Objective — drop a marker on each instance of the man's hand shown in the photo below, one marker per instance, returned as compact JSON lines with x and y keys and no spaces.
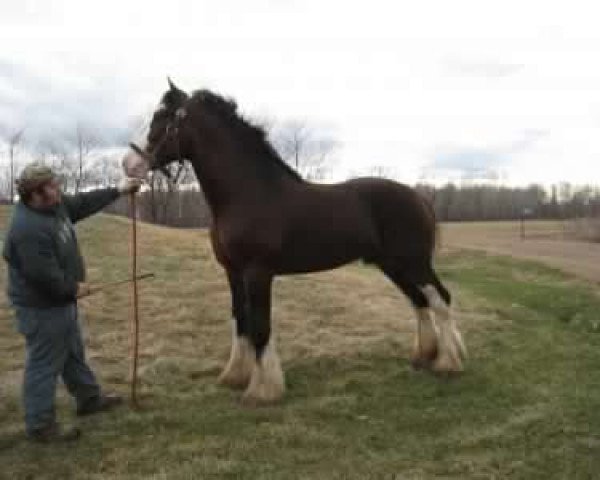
{"x":129,"y":185}
{"x":83,"y":290}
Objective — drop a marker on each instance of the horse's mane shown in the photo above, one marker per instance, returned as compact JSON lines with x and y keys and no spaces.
{"x":253,"y":137}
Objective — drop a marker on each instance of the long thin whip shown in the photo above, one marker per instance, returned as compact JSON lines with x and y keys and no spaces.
{"x":134,"y":324}
{"x":105,"y":286}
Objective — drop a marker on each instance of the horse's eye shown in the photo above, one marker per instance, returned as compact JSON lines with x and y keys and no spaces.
{"x":160,"y":114}
{"x":153,"y":136}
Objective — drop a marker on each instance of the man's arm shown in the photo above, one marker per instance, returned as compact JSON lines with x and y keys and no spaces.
{"x":37,"y":262}
{"x":83,"y":205}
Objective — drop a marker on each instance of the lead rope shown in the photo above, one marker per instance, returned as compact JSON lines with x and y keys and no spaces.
{"x":134,"y":321}
{"x":419,"y":331}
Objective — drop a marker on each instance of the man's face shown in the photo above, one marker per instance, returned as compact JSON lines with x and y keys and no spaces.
{"x":49,"y":195}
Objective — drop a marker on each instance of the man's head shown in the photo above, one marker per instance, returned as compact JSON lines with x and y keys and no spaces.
{"x":39,"y":187}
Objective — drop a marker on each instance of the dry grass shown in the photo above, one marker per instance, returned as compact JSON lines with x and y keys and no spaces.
{"x":185,"y":310}
{"x":186,"y":327}
{"x":354,"y":408}
{"x":548,"y":242}
{"x":587,"y":229}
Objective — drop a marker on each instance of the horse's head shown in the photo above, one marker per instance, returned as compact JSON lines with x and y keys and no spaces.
{"x":162,"y":142}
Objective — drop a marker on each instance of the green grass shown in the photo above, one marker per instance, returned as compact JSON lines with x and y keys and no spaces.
{"x":526,"y":407}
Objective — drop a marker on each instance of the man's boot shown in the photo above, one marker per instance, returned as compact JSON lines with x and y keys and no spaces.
{"x":101,"y":403}
{"x":54,"y":433}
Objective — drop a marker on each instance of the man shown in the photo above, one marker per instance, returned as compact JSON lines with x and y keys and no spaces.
{"x":46,"y":276}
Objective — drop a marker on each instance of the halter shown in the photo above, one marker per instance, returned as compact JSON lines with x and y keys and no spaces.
{"x":172,"y":127}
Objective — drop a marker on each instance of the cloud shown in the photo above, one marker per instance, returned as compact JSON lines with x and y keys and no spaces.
{"x":467,"y":159}
{"x":50,"y":107}
{"x":481,"y":68}
{"x":469,"y":163}
{"x":465,"y":164}
{"x":528,"y":139}
{"x":471,"y":90}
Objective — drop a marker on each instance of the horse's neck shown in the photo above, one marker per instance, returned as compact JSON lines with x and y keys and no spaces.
{"x":225,"y":182}
{"x":215,"y":189}
{"x":229,"y":177}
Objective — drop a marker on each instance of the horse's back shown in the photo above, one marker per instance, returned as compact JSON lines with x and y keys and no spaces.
{"x":404,"y":219}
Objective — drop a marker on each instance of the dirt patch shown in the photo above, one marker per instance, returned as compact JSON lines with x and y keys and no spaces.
{"x":504,"y":238}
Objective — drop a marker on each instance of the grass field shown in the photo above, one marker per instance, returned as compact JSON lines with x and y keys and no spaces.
{"x":527,"y":406}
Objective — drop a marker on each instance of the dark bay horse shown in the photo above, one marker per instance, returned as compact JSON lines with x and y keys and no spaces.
{"x":268,"y":221}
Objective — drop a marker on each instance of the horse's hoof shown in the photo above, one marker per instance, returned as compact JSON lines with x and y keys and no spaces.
{"x":420,"y":363}
{"x":233,"y":383}
{"x":447,"y":375}
{"x":252,"y":401}
{"x":447,"y":368}
{"x":423,"y":360}
{"x":263,"y":394}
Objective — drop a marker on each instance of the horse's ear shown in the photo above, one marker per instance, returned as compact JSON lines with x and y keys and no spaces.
{"x":176,"y":92}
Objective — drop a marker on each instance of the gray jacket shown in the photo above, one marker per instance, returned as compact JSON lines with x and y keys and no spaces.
{"x":41,"y":249}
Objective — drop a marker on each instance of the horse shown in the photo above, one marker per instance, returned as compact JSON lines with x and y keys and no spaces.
{"x":269,"y":221}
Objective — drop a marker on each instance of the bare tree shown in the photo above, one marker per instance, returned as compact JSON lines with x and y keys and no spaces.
{"x":85,"y":142}
{"x":14,"y":140}
{"x":5,"y":174}
{"x":161,"y":195}
{"x":58,"y":153}
{"x":381,"y":171}
{"x":103,"y":170}
{"x":310,"y":152}
{"x":291,"y":141}
{"x":51,"y":152}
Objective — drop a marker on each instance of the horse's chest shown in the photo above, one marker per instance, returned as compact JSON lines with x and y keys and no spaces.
{"x":237,"y":244}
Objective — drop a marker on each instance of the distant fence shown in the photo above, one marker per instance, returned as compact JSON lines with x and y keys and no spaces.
{"x":188,"y":209}
{"x":182,"y":209}
{"x":584,"y":229}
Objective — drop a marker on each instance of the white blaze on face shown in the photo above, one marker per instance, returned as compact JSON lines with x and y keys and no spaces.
{"x":140,"y":137}
{"x":134,"y":164}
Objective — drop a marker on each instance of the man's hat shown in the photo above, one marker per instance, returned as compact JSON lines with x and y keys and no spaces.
{"x":33,"y":177}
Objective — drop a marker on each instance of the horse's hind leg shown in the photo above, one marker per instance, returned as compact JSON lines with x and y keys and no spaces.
{"x":425,"y":347}
{"x":452,"y":349}
{"x":238,"y":370}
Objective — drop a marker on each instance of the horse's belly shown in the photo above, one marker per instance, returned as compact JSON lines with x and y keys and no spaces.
{"x":316,"y":254}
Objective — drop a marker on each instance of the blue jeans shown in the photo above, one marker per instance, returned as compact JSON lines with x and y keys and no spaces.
{"x":54,"y":347}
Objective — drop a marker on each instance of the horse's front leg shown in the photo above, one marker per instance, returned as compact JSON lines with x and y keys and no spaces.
{"x":241,"y":360}
{"x":267,"y":383}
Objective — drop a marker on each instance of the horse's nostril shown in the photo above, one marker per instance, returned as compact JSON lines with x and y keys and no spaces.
{"x":135,"y":165}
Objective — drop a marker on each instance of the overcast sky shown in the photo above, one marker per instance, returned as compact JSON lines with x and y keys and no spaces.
{"x":441,"y":89}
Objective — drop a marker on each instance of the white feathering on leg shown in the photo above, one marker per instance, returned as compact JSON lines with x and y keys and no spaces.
{"x":267,"y":384}
{"x":451,"y":345}
{"x":426,"y":340}
{"x":238,"y":371}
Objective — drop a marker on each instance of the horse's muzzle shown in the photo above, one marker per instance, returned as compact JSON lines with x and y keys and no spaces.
{"x":136,"y":162}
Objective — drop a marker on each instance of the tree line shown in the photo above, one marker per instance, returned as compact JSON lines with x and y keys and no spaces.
{"x":470,"y":202}
{"x":84,"y":162}
{"x":186,"y":206}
